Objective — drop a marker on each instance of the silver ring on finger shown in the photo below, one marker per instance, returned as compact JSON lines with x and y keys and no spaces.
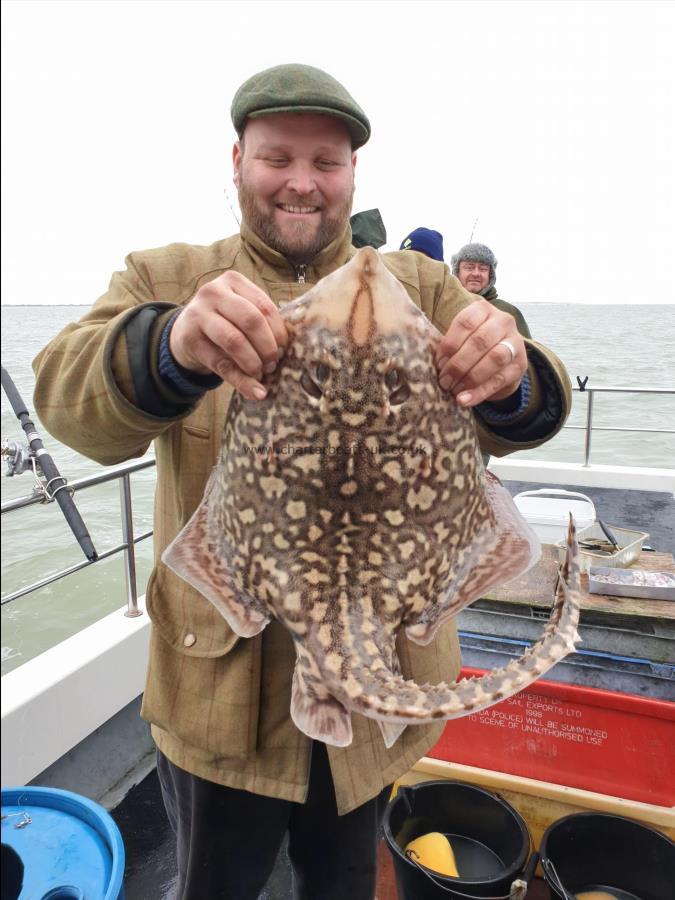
{"x":512,"y":350}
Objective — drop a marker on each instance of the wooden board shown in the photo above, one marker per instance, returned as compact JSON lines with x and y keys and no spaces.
{"x":537,"y":587}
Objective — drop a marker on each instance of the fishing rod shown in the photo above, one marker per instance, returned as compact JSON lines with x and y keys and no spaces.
{"x":231,"y":205}
{"x":56,"y":487}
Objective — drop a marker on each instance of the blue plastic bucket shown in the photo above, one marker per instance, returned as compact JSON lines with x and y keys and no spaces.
{"x":70,"y":846}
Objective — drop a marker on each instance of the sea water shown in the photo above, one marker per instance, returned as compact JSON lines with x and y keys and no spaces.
{"x":612,"y":345}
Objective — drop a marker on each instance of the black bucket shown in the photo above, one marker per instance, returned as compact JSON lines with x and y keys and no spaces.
{"x":490,"y":840}
{"x":593,"y":851}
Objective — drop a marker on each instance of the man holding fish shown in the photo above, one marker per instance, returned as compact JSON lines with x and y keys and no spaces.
{"x":157,"y":359}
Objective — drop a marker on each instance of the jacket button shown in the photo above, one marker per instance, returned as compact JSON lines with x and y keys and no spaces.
{"x":189,"y":640}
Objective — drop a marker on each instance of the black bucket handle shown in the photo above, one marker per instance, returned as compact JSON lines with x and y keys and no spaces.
{"x":517,"y":891}
{"x":407,"y":794}
{"x":552,"y":875}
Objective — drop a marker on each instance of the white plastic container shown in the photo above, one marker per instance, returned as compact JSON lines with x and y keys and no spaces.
{"x":548,"y":510}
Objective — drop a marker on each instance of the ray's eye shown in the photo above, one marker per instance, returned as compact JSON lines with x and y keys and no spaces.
{"x":321,"y":373}
{"x":399,"y":390}
{"x":312,"y":380}
{"x":392,"y":378}
{"x":310,"y":387}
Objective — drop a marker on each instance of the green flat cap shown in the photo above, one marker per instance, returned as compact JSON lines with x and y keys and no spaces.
{"x":295,"y":88}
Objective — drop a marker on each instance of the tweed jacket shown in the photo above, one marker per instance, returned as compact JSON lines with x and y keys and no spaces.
{"x":219,"y":704}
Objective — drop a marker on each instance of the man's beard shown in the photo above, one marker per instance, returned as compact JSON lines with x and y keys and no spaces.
{"x":298,"y":246}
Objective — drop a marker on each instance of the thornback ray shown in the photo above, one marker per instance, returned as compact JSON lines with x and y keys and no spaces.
{"x":351,"y":503}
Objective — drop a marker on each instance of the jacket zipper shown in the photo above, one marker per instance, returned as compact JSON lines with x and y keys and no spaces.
{"x":300,"y":274}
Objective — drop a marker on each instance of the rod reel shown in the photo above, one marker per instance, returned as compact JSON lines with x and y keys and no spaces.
{"x":48,"y":480}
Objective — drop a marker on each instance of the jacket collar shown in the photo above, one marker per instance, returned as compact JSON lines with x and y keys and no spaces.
{"x":276,"y":266}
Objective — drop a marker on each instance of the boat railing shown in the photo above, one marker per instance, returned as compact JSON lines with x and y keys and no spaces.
{"x":588,"y":427}
{"x":122,"y":474}
{"x":129,"y":539}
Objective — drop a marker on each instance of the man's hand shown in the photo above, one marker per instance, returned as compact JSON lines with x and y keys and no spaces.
{"x":472,"y":361}
{"x":232,"y":328}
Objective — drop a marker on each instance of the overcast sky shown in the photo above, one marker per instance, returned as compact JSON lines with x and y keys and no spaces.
{"x":552,"y":124}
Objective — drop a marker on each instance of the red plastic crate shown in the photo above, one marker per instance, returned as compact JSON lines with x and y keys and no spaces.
{"x":616,"y":744}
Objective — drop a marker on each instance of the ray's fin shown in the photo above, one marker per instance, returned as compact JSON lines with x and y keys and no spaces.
{"x":203,"y":560}
{"x":391,"y":732}
{"x":323,"y":719}
{"x":514,"y":550}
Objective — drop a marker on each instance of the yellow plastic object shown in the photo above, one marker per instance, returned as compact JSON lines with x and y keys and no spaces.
{"x":433,"y":851}
{"x":595,"y":895}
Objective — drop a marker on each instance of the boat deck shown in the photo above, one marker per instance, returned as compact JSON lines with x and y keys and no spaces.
{"x":151,"y":860}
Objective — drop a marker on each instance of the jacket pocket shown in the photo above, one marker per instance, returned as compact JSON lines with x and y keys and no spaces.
{"x":197,"y":431}
{"x":197,"y":455}
{"x":184,"y":618}
{"x":200,"y":438}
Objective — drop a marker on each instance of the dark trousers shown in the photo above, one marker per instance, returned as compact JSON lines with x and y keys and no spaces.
{"x":228,"y":840}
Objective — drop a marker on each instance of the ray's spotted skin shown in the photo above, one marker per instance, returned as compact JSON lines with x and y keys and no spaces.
{"x":352,"y":502}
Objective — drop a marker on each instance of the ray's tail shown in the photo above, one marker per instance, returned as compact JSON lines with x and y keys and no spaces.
{"x":391,"y":699}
